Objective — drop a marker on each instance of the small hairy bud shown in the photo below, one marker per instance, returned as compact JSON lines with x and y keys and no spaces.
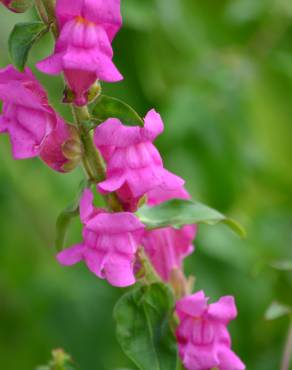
{"x":17,"y":6}
{"x":63,"y":149}
{"x":72,"y":149}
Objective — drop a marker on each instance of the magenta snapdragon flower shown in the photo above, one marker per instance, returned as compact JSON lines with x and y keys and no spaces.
{"x":110,"y":241}
{"x":203,"y":339}
{"x":26,"y":114}
{"x":167,"y":247}
{"x":134,"y":165}
{"x":83,"y":50}
{"x":34,"y":128}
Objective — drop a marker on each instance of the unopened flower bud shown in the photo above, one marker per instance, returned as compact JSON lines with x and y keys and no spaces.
{"x":17,"y":6}
{"x":72,"y":149}
{"x":53,"y":149}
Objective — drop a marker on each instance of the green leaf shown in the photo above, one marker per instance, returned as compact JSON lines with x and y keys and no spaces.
{"x":65,"y":218}
{"x":277,"y":310}
{"x":282,"y":265}
{"x":22,"y":38}
{"x":178,"y":212}
{"x":143,"y":327}
{"x":108,"y":107}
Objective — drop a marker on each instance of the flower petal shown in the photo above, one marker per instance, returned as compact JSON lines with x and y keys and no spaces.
{"x":72,"y":255}
{"x":113,"y":223}
{"x":86,"y":205}
{"x":224,"y":310}
{"x":119,"y":271}
{"x":153,"y":125}
{"x":229,"y":360}
{"x":194,"y":305}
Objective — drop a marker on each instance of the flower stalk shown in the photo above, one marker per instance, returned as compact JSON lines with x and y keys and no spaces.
{"x":287,"y":355}
{"x":49,"y":6}
{"x":42,"y":11}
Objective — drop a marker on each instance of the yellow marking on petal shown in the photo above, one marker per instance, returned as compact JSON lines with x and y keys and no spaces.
{"x":80,"y":19}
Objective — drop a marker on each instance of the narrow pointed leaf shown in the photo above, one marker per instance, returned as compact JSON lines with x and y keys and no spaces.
{"x":108,"y":107}
{"x":143,"y":329}
{"x":22,"y":38}
{"x":178,"y":212}
{"x":65,"y":218}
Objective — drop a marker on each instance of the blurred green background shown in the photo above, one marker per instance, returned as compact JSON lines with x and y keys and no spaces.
{"x":220,"y":73}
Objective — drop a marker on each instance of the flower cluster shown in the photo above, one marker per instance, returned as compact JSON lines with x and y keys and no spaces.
{"x":134,"y":172}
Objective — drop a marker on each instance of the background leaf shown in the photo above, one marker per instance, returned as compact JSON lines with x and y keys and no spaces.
{"x":108,"y":107}
{"x":178,"y":212}
{"x":60,"y":361}
{"x":277,"y":310}
{"x":283,"y":265}
{"x":22,"y":38}
{"x":142,"y":317}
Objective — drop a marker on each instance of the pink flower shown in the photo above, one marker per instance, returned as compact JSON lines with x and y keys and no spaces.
{"x":110,"y":243}
{"x":27,"y":116}
{"x":34,"y":127}
{"x":203,"y":339}
{"x":168,"y":247}
{"x":83,"y":50}
{"x":134,"y":165}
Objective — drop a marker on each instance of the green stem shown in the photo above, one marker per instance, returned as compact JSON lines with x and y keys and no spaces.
{"x":92,"y":159}
{"x":287,"y":355}
{"x":41,"y":11}
{"x":150,"y":276}
{"x":91,"y":154}
{"x":49,"y":6}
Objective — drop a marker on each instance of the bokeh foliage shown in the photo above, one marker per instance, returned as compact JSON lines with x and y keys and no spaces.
{"x":220,"y":73}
